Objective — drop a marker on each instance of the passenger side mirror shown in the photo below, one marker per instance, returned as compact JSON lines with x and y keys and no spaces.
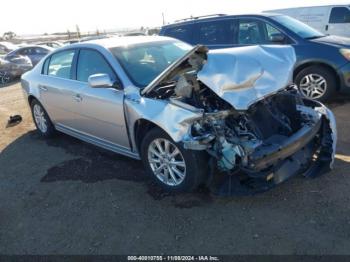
{"x":277,"y":38}
{"x":101,"y":81}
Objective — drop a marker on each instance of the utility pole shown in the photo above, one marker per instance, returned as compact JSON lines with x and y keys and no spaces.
{"x":163,"y":19}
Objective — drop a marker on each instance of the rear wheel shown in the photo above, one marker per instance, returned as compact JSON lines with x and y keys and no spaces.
{"x":41,"y":119}
{"x":316,"y":82}
{"x":170,"y":165}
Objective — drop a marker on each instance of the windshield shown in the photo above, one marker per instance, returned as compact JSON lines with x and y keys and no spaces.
{"x":298,"y":27}
{"x":144,"y":62}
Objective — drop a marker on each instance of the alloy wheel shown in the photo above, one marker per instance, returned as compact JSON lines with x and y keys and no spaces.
{"x":39,"y":117}
{"x":166,"y":162}
{"x":313,"y":86}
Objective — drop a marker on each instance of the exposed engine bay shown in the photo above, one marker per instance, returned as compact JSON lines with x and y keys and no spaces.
{"x":277,"y":136}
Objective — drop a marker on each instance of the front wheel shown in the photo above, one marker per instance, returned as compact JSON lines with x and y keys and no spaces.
{"x":170,"y":165}
{"x":316,"y":82}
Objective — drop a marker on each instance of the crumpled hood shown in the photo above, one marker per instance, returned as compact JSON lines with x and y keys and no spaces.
{"x":242,"y":76}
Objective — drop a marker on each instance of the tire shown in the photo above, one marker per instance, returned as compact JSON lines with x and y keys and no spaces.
{"x":41,"y":119}
{"x":195,"y":167}
{"x":310,"y":82}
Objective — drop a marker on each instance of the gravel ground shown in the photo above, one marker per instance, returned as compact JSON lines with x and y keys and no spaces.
{"x":63,"y":196}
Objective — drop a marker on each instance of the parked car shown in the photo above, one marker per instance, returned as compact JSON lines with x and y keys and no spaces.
{"x":33,"y":52}
{"x":6,"y":47}
{"x":323,"y":62}
{"x":71,"y":41}
{"x":52,"y":44}
{"x":95,"y":37}
{"x":189,"y":114}
{"x":13,"y":69}
{"x":330,"y":19}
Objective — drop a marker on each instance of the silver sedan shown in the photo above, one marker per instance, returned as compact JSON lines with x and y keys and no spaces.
{"x":227,"y":118}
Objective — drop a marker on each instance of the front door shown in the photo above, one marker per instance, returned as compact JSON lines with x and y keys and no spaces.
{"x":100,"y":110}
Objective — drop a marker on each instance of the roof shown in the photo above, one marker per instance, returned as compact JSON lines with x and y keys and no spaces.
{"x":217,"y":17}
{"x":310,"y":6}
{"x":122,"y":41}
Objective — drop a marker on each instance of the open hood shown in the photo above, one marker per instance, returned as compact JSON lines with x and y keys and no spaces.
{"x":240,"y":76}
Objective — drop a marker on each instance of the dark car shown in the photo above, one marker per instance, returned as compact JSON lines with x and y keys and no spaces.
{"x":15,"y":68}
{"x":34,"y":53}
{"x":323,"y":62}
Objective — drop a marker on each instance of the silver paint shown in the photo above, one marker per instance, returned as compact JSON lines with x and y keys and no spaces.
{"x":244,"y":75}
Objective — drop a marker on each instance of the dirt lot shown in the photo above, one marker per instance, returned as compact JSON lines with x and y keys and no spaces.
{"x":64,"y":196}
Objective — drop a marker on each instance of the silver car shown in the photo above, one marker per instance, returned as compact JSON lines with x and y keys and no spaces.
{"x":227,"y":118}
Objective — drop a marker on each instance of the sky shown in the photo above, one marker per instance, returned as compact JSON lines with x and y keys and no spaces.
{"x":44,"y":16}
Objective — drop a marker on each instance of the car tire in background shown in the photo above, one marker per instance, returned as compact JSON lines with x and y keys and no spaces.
{"x":171,"y":166}
{"x":316,"y":82}
{"x":4,"y":78}
{"x":41,"y":119}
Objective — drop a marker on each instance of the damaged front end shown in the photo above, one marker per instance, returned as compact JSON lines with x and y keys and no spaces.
{"x":256,"y":127}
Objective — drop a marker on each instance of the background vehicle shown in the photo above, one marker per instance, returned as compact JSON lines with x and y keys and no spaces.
{"x":185,"y":111}
{"x":52,"y":44}
{"x":15,"y":68}
{"x":6,"y":47}
{"x":323,"y":62}
{"x":34,"y":53}
{"x":330,"y":19}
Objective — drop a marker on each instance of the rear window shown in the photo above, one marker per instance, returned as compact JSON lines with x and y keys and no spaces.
{"x":216,"y":33}
{"x":180,"y":32}
{"x":61,"y":64}
{"x":339,"y":15}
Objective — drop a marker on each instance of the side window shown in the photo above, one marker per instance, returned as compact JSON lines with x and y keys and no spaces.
{"x":251,"y":32}
{"x":91,"y":62}
{"x":339,"y":15}
{"x":24,"y":51}
{"x":41,"y":51}
{"x":61,"y":64}
{"x":216,"y":33}
{"x":271,"y":33}
{"x":180,"y":32}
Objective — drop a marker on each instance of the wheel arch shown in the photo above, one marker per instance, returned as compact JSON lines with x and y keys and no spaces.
{"x":141,"y":127}
{"x":301,"y":67}
{"x":31,"y":98}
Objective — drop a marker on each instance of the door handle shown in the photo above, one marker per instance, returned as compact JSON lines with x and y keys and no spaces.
{"x":326,"y":27}
{"x":43,"y":88}
{"x":78,"y":98}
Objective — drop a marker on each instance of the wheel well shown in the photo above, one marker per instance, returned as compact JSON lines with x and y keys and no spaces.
{"x":30,"y":99}
{"x":142,"y":126}
{"x":330,"y":68}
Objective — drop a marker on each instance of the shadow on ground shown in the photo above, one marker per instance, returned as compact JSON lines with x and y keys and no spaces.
{"x":91,"y":164}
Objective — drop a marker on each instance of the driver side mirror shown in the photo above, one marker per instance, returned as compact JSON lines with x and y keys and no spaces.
{"x":102,"y":81}
{"x":277,"y":38}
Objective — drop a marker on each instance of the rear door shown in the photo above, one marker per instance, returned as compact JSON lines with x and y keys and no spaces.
{"x":185,"y":33}
{"x":216,"y":34}
{"x":339,"y":21}
{"x":57,"y":89}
